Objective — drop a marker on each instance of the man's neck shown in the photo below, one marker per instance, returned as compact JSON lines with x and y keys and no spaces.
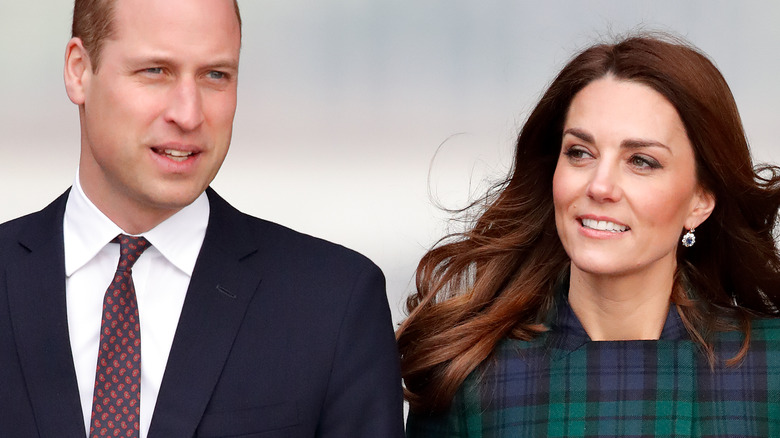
{"x":131,"y":217}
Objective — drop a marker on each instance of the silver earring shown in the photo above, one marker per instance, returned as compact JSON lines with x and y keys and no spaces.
{"x":689,"y":238}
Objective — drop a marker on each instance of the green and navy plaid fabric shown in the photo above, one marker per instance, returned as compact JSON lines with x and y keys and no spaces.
{"x":562,"y":384}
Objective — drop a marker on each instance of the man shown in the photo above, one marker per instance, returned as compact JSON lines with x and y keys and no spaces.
{"x":246,"y":328}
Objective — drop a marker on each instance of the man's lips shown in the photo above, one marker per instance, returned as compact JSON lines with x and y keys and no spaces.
{"x":175,"y":154}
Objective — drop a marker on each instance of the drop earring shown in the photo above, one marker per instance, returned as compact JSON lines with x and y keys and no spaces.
{"x":689,"y":238}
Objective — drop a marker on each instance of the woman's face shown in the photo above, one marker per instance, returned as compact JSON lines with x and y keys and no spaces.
{"x":625,"y":183}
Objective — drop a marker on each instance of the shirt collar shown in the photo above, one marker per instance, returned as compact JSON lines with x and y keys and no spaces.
{"x":87,"y":230}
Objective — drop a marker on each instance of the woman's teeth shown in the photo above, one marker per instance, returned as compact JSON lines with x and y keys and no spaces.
{"x":603,"y":225}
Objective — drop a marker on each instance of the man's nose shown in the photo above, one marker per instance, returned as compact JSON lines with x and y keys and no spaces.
{"x":185,"y":107}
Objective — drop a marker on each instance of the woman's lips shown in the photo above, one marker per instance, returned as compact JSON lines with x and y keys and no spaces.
{"x":603,"y":225}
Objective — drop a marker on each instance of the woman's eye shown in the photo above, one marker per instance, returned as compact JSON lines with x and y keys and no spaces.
{"x":576,"y":153}
{"x":644,"y":162}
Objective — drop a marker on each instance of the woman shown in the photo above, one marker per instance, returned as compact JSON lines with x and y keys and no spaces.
{"x":622,"y":281}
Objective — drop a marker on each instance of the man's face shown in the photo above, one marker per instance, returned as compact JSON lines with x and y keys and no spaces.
{"x":157,"y":115}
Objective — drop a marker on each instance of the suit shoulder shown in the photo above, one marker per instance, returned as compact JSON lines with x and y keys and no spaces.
{"x":35,"y":230}
{"x":11,"y":228}
{"x":303,"y":246}
{"x":43,"y":217}
{"x":280,"y":247}
{"x":9,"y":232}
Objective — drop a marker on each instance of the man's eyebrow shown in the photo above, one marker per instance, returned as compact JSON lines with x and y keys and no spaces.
{"x":579,"y":133}
{"x":159,"y":60}
{"x":162,"y":60}
{"x":226,"y":64}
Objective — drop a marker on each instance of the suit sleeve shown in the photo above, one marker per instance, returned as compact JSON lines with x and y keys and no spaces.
{"x":364,"y":396}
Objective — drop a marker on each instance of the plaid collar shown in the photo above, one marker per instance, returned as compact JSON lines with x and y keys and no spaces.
{"x":566,"y":333}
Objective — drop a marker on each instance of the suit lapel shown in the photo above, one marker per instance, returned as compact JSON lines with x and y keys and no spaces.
{"x":36,"y":295}
{"x":220,"y":291}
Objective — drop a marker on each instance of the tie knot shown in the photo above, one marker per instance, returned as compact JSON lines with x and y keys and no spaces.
{"x":130,"y":248}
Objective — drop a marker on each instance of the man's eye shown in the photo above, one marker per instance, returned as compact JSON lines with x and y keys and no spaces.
{"x":216,"y":75}
{"x":154,"y":70}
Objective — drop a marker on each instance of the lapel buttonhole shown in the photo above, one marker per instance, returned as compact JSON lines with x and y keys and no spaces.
{"x":226,"y":292}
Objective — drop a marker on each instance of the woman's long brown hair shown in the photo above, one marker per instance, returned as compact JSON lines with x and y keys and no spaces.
{"x":496,"y":279}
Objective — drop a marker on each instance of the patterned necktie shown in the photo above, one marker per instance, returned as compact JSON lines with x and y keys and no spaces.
{"x":116,"y":403}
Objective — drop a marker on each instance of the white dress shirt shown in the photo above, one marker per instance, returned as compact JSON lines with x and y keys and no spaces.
{"x":161,"y":277}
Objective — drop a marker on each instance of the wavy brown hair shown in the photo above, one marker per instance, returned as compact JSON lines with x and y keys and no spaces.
{"x":496,"y":279}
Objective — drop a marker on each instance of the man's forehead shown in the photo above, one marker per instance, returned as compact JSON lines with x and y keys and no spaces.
{"x":178,"y":27}
{"x":207,"y":18}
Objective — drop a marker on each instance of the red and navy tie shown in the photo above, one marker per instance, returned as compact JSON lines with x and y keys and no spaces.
{"x":116,"y":403}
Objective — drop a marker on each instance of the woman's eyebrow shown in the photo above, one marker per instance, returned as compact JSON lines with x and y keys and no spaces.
{"x":579,"y":133}
{"x":633,"y":143}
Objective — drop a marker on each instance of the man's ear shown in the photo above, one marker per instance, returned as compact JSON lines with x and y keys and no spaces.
{"x":78,"y":70}
{"x":703,"y":204}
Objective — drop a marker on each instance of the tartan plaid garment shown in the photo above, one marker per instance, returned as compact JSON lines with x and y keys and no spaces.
{"x":561,"y":384}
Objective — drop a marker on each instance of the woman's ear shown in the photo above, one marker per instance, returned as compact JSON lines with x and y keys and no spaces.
{"x":78,"y":70}
{"x":703,"y":204}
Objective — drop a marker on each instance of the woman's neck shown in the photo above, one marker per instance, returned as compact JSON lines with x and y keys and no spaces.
{"x":628,"y":307}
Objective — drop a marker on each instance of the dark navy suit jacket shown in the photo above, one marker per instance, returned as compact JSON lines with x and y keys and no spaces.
{"x":281,"y":335}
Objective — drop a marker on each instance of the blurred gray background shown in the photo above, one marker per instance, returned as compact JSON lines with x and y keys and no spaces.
{"x":343,"y":104}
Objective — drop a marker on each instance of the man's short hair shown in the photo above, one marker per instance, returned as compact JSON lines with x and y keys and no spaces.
{"x":93,"y":22}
